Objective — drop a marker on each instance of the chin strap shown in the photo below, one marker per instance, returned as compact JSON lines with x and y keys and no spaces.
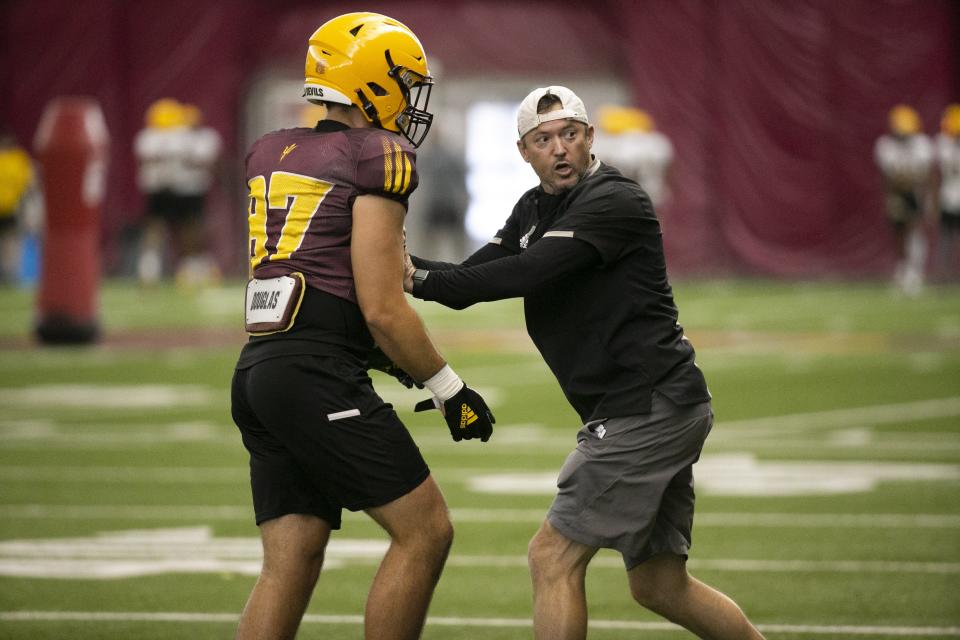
{"x":369,"y":109}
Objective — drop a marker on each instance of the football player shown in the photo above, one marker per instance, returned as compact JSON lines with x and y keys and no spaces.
{"x":948,"y":161}
{"x":16,"y":185}
{"x":904,"y":156}
{"x":584,"y":251}
{"x":629,"y":140}
{"x":326,"y":247}
{"x":157,"y":148}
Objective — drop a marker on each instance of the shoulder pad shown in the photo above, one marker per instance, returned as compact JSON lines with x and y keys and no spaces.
{"x":387,"y":166}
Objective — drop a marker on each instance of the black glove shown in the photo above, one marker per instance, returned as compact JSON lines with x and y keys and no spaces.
{"x":466,"y":413}
{"x":378,"y":360}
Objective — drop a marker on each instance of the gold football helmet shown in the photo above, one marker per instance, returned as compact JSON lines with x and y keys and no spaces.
{"x":950,"y":123}
{"x":164,"y":113}
{"x":617,"y":120}
{"x":192,"y":115}
{"x":375,"y":63}
{"x":904,"y":120}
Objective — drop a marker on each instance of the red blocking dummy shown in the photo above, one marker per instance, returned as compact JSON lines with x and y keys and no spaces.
{"x":71,"y":148}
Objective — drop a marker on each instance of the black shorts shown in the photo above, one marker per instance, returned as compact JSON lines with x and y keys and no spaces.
{"x":321,"y":439}
{"x":8,"y":221}
{"x":173,"y":207}
{"x":950,"y":221}
{"x":902,"y":207}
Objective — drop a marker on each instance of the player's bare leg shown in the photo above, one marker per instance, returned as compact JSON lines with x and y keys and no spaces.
{"x":9,"y":256}
{"x":558,"y":568}
{"x":663,"y":585}
{"x":151,"y":258}
{"x":293,"y":547}
{"x":420,"y":537}
{"x":195,"y":266}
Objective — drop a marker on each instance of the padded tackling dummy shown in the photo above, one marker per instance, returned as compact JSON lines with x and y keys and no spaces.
{"x":71,"y":147}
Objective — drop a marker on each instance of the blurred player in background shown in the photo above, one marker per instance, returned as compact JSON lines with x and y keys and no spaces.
{"x":16,"y":182}
{"x":948,"y":162}
{"x":446,"y":203}
{"x":199,"y":164}
{"x":177,"y":158}
{"x":156,"y":149}
{"x":326,"y":248}
{"x":584,"y":251}
{"x":905,"y":158}
{"x":629,"y":141}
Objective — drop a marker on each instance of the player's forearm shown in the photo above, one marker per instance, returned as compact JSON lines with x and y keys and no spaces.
{"x":400,"y":333}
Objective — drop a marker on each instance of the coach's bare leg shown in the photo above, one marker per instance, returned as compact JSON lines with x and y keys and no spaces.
{"x":420,"y":537}
{"x":293,"y":548}
{"x":558,"y":568}
{"x":663,"y":585}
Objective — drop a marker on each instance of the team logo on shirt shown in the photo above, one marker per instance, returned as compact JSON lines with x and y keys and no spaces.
{"x":525,"y":239}
{"x":286,"y":150}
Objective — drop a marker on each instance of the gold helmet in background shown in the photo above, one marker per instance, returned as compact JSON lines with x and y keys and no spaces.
{"x":192,"y":115}
{"x":950,"y":123}
{"x":165,"y":113}
{"x":617,"y":120}
{"x":905,"y":120}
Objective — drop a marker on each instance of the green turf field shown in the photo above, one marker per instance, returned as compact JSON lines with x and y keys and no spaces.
{"x":829,"y":491}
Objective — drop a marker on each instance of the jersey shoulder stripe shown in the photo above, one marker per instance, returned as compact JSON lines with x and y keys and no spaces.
{"x":397,"y":168}
{"x":386,"y":164}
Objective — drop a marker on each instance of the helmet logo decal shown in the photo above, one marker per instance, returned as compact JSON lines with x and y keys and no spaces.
{"x":313,"y":91}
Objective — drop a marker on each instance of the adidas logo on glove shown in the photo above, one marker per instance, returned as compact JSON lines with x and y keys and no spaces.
{"x":467,"y":416}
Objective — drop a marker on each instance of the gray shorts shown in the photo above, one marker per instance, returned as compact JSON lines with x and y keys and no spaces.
{"x":629,"y":483}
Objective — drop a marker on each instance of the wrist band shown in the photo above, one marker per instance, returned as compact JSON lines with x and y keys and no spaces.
{"x":419,"y":277}
{"x":444,"y":384}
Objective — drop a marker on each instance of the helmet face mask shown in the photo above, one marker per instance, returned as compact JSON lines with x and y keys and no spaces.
{"x":414,"y":121}
{"x":375,"y":63}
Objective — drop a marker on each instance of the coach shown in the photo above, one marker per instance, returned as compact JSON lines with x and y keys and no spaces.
{"x":584,"y":250}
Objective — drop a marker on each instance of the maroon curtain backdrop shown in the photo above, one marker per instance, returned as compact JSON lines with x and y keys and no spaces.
{"x":772,"y":106}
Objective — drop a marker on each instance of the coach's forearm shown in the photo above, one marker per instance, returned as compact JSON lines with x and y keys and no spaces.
{"x":513,"y":276}
{"x":486,"y":253}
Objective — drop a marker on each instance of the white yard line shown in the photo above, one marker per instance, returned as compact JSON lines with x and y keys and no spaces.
{"x":450,"y":621}
{"x":829,"y":520}
{"x":770,"y":444}
{"x":20,"y":434}
{"x":126,"y":475}
{"x":847,"y":418}
{"x":740,"y":565}
{"x":203,"y":513}
{"x":200,"y":513}
{"x":196,"y":549}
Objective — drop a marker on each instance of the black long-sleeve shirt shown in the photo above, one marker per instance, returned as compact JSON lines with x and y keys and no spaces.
{"x":589,"y":264}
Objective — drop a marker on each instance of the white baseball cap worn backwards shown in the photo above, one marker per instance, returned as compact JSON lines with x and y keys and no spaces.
{"x":571,"y":108}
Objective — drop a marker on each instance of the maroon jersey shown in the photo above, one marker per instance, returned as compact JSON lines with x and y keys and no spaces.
{"x":302,"y":184}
